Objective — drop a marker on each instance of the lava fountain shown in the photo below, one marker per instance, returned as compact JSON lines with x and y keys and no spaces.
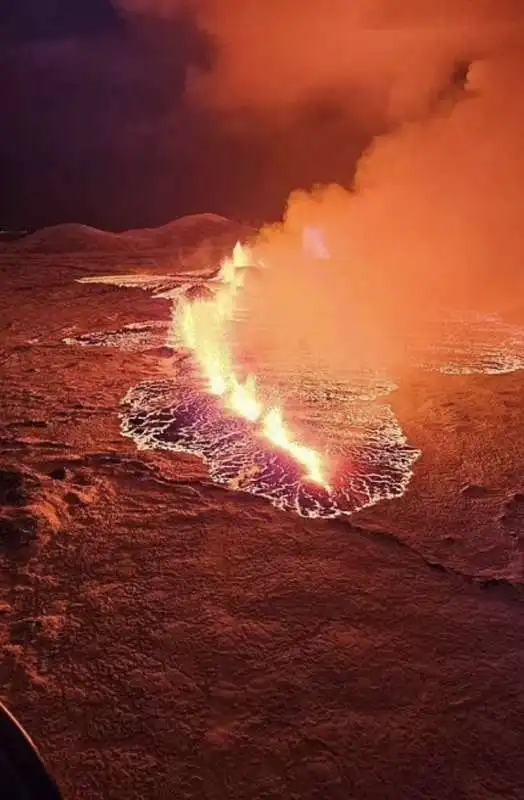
{"x":234,"y":422}
{"x":203,"y":324}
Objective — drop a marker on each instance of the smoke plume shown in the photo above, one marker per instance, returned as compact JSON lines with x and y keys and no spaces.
{"x":432,"y":217}
{"x":387,"y":58}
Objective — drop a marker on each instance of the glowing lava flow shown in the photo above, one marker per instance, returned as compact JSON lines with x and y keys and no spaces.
{"x":204,"y":324}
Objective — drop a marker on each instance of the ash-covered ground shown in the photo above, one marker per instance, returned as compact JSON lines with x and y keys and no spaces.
{"x":166,"y":637}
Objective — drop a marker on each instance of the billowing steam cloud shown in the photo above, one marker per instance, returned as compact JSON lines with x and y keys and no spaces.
{"x":434,"y":222}
{"x":385,"y":58}
{"x":434,"y":215}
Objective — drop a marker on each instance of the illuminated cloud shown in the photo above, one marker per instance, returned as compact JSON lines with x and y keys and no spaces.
{"x":387,"y":58}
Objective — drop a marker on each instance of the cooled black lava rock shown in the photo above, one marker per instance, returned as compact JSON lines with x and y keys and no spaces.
{"x":18,"y":531}
{"x":15,"y":487}
{"x":25,"y":631}
{"x":58,"y":473}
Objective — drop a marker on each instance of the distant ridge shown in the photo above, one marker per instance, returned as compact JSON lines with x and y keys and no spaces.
{"x":181,"y":234}
{"x":69,"y":237}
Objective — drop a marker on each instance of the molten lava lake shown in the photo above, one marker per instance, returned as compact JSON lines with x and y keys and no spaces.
{"x":348,"y":421}
{"x":366,"y":454}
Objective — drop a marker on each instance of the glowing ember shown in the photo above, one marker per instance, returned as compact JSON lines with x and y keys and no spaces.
{"x":204,"y":326}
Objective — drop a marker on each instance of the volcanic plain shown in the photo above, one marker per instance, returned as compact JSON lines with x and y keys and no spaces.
{"x":166,"y":637}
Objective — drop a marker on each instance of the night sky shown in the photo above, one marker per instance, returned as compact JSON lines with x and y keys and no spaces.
{"x":97,"y":129}
{"x":129,"y":113}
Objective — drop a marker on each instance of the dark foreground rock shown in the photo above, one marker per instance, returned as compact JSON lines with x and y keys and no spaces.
{"x":16,"y":487}
{"x":18,"y":531}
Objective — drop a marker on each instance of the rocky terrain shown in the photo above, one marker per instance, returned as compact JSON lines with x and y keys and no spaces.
{"x":165,"y":637}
